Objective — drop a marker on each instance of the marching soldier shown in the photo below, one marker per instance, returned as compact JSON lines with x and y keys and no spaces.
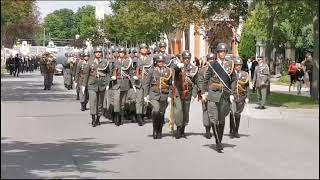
{"x":142,"y":69}
{"x":81,"y":72}
{"x":109,"y":99}
{"x":97,"y":81}
{"x":67,"y":71}
{"x":48,"y":64}
{"x":162,"y":50}
{"x":216,"y":90}
{"x":240,"y":93}
{"x":185,"y":90}
{"x":158,"y":93}
{"x":77,"y":60}
{"x":261,"y":80}
{"x":206,"y":122}
{"x":121,"y":78}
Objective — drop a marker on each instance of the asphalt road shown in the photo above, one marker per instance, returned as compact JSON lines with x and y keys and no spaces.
{"x":45,"y":135}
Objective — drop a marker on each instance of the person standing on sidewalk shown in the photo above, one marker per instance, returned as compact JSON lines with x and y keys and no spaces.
{"x":300,"y":75}
{"x":261,"y":79}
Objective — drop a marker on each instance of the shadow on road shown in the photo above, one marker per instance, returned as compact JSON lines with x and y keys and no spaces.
{"x":65,"y":159}
{"x":32,"y":91}
{"x":225,"y":145}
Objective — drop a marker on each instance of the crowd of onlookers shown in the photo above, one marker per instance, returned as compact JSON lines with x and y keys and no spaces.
{"x":20,"y":64}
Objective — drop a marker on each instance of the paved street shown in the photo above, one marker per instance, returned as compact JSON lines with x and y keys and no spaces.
{"x":45,"y":135}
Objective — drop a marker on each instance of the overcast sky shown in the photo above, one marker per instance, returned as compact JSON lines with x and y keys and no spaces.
{"x":47,"y":7}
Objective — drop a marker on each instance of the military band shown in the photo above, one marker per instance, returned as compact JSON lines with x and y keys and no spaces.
{"x":134,"y":84}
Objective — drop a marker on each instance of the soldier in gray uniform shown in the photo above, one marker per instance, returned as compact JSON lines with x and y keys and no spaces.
{"x":97,"y":81}
{"x":82,"y":71}
{"x":240,"y":93}
{"x":205,"y":118}
{"x":121,"y":78}
{"x":157,"y":92}
{"x":162,"y":50}
{"x":68,"y":67}
{"x":261,"y":80}
{"x":217,"y":90}
{"x":185,"y":90}
{"x":144,"y":64}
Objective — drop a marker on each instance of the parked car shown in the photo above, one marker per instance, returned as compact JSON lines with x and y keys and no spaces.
{"x":59,"y":69}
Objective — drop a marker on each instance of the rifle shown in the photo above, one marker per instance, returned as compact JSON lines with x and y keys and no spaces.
{"x":171,"y":118}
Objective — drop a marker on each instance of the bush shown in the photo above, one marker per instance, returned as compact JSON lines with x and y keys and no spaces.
{"x":284,"y":79}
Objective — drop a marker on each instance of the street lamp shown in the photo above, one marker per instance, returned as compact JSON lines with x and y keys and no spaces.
{"x":260,"y":49}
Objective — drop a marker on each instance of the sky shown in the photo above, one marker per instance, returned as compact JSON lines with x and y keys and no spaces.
{"x":47,"y":7}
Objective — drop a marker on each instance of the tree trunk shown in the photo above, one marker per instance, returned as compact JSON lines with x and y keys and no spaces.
{"x":314,"y":89}
{"x":269,"y":47}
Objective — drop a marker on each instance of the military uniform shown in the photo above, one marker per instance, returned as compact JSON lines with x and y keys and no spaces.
{"x":217,"y":91}
{"x":158,"y":92}
{"x":184,"y":89}
{"x":68,"y":72}
{"x":81,"y":72}
{"x":141,"y":72}
{"x":48,"y":64}
{"x":201,"y":77}
{"x":240,"y":92}
{"x":261,"y":81}
{"x":97,"y":81}
{"x":109,"y":97}
{"x":121,"y":78}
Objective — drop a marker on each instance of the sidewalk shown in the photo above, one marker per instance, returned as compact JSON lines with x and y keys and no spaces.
{"x":285,"y":90}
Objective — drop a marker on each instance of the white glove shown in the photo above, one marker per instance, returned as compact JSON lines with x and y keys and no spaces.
{"x":75,"y":84}
{"x":204,"y":96}
{"x":192,"y":98}
{"x":135,"y":77}
{"x":107,"y":88}
{"x":146,"y":99}
{"x":231,"y":98}
{"x":246,"y":100}
{"x":113,"y":78}
{"x":82,"y":89}
{"x":169,"y":99}
{"x":180,"y":65}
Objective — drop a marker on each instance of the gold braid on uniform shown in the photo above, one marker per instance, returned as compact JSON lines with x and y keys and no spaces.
{"x":163,"y":81}
{"x":241,"y":86}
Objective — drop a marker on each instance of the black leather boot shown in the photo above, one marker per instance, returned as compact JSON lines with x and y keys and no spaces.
{"x":83,"y":108}
{"x":178,"y":133}
{"x":182,"y":132}
{"x":236,"y":134}
{"x":45,"y":87}
{"x":117,"y":119}
{"x":98,"y":121}
{"x":215,"y":134}
{"x":160,"y":125}
{"x":154,"y":123}
{"x":232,"y":126}
{"x":208,"y":135}
{"x":93,"y":122}
{"x":220,"y":132}
{"x":78,"y":97}
{"x":139,"y":118}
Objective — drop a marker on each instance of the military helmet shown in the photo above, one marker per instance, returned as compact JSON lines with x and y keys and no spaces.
{"x":86,"y":53}
{"x":160,"y":58}
{"x":66,"y":54}
{"x":237,"y":60}
{"x":162,"y":44}
{"x":81,"y":54}
{"x":221,"y":47}
{"x":134,"y":50}
{"x":186,"y":54}
{"x":156,"y":49}
{"x":143,"y":45}
{"x":97,"y":49}
{"x":121,"y":49}
{"x":211,"y":56}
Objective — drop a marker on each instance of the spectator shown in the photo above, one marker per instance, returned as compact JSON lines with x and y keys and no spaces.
{"x":252,"y":69}
{"x":292,"y":71}
{"x":300,"y":75}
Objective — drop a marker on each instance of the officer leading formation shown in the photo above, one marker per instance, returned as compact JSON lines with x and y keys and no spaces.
{"x":141,"y":83}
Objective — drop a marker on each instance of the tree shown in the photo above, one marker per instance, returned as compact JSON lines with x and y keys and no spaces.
{"x":61,"y":24}
{"x":19,"y":19}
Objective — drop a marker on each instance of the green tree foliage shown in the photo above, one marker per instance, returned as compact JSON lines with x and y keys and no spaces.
{"x":19,"y":19}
